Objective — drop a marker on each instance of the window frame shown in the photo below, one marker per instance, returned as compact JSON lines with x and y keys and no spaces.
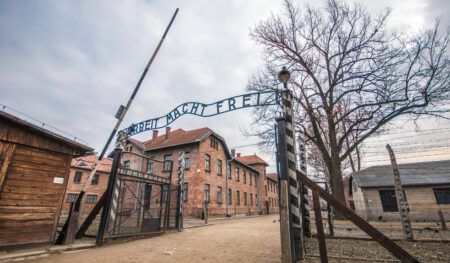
{"x":207,"y":193}
{"x":219,"y":193}
{"x":167,"y":164}
{"x":219,"y":167}
{"x":388,"y":203}
{"x":95,"y":179}
{"x":445,"y":198}
{"x":89,"y":198}
{"x":187,"y":160}
{"x":75,"y":177}
{"x":207,"y":163}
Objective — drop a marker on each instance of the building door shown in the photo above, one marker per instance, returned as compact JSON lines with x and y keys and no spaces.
{"x":267,"y":207}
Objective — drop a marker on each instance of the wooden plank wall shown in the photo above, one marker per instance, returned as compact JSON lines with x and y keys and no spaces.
{"x":30,"y":201}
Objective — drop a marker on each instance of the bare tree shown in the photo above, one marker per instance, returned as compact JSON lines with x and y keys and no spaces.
{"x":350,"y":76}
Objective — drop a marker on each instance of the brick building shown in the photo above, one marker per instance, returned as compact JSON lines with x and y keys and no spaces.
{"x":80,"y":169}
{"x":228,"y":184}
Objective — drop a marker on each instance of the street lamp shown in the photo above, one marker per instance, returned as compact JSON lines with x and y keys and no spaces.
{"x":283,"y":76}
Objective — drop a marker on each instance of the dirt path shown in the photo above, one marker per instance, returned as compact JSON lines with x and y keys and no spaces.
{"x":241,"y":240}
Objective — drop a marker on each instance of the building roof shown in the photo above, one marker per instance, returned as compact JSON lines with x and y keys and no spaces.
{"x":86,"y":162}
{"x":411,"y":174}
{"x":180,"y":137}
{"x":245,"y":164}
{"x":252,"y":159}
{"x":177,"y":137}
{"x":272,"y":176}
{"x":45,"y":132}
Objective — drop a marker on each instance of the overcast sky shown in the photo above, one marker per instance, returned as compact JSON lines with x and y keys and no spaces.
{"x":72,"y":63}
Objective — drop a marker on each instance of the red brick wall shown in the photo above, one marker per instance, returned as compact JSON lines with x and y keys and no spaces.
{"x":75,"y":188}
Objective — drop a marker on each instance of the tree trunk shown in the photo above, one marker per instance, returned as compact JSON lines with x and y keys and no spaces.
{"x":336,"y":183}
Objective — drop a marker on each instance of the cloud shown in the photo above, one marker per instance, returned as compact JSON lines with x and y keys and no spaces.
{"x":71,"y":64}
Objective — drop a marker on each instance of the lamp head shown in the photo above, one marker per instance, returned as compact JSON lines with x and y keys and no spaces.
{"x":284,"y":75}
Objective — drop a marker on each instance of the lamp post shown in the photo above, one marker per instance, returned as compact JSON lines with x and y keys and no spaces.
{"x":283,"y":76}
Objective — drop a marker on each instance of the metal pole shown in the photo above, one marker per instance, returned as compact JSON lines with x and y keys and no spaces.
{"x":401,"y":200}
{"x":108,"y":198}
{"x":123,"y":111}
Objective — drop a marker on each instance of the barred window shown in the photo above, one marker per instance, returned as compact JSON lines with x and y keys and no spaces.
{"x":245,"y":177}
{"x":229,"y":197}
{"x":91,"y":199}
{"x":245,"y":198}
{"x":71,"y":198}
{"x":251,"y":199}
{"x":238,"y":197}
{"x":237,"y":174}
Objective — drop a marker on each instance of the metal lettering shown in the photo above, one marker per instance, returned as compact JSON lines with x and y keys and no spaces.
{"x":218,"y":105}
{"x":246,"y":98}
{"x":184,"y":108}
{"x":231,"y":103}
{"x":264,"y":98}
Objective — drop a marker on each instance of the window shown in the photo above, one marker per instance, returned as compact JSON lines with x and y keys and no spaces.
{"x":219,"y":167}
{"x":251,"y":199}
{"x":219,"y":195}
{"x":238,"y":197}
{"x":245,"y":177}
{"x":207,"y":162}
{"x":127,"y":164}
{"x":206,"y":195}
{"x":147,"y":195}
{"x":187,"y":161}
{"x":129,"y":148}
{"x":186,"y":192}
{"x":388,"y":200}
{"x":250,"y":179}
{"x":265,"y":188}
{"x":95,"y":179}
{"x":91,"y":199}
{"x":71,"y":198}
{"x":351,"y":204}
{"x":442,"y":195}
{"x":164,"y":191}
{"x":256,"y":199}
{"x":229,"y":197}
{"x":214,"y":143}
{"x":237,"y":174}
{"x":167,"y":163}
{"x":150,"y":166}
{"x":256,"y":181}
{"x":245,"y":198}
{"x":77,"y":177}
{"x":229,"y":172}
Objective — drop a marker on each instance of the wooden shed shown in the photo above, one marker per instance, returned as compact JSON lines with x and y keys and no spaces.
{"x":34,"y":170}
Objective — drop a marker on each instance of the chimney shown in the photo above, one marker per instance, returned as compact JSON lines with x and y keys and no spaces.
{"x":155,"y":134}
{"x":238,"y":154}
{"x":167,"y":132}
{"x":233,"y":152}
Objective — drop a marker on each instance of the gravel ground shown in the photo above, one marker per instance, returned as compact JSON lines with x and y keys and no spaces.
{"x":237,"y":240}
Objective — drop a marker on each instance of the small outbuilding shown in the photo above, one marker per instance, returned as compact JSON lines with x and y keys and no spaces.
{"x":426,"y":186}
{"x":34,"y":170}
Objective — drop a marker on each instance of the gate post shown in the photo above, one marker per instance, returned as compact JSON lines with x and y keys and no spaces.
{"x":181,"y":193}
{"x":110,"y":194}
{"x":288,"y":166}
